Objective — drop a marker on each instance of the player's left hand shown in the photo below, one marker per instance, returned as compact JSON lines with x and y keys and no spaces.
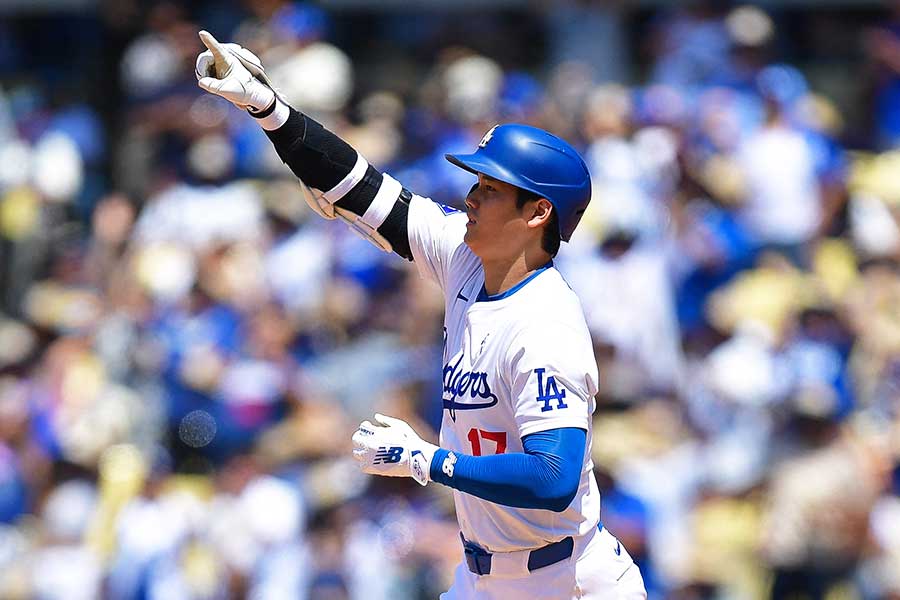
{"x":392,"y":448}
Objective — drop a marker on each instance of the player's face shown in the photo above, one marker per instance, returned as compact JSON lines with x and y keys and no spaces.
{"x":496,"y":227}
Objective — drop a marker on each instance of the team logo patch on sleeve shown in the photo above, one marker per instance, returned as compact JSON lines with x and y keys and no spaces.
{"x":548,"y":390}
{"x":447,"y":210}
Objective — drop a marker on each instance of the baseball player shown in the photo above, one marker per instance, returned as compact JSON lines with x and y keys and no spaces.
{"x":519,"y":373}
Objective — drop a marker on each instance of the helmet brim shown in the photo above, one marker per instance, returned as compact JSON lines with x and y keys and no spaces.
{"x":475,"y":163}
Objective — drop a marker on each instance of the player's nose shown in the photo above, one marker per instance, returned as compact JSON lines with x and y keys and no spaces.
{"x":471,"y":201}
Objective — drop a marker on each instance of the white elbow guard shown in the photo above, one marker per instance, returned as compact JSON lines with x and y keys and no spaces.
{"x":316,"y":201}
{"x":366,"y":226}
{"x":363,"y":229}
{"x":322,"y":203}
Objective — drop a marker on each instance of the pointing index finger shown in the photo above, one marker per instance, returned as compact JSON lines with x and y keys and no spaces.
{"x":220,"y":53}
{"x":211,"y":42}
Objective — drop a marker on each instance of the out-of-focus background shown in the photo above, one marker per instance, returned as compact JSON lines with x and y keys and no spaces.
{"x":185,"y":350}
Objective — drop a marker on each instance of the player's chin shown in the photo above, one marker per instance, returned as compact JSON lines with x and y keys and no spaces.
{"x":475,"y":244}
{"x":470,"y":237}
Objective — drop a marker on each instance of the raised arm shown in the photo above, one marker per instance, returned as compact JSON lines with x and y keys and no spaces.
{"x":343,"y":184}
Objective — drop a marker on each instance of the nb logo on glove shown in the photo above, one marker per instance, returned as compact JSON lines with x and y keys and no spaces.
{"x":387,"y":455}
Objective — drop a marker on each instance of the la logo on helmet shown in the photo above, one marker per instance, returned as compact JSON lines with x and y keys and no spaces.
{"x":487,"y":137}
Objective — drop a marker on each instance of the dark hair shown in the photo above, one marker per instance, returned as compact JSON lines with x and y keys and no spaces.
{"x":550,"y":242}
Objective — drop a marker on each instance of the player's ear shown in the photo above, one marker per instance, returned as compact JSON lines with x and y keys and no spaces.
{"x":540,"y":213}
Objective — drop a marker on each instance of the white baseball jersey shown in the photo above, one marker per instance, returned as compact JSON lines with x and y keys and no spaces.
{"x":516,"y":364}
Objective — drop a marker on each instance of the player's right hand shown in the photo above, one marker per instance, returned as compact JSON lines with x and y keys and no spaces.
{"x":392,"y":448}
{"x":234,"y":73}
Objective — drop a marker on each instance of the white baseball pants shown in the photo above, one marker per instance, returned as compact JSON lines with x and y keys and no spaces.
{"x":599,"y":568}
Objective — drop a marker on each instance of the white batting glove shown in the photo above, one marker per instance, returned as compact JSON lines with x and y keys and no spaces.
{"x":234,"y":73}
{"x":392,"y":449}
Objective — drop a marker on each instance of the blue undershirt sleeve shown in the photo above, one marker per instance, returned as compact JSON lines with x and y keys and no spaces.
{"x":545,"y":476}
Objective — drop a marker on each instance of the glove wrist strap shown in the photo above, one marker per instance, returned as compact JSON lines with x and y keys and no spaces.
{"x":263,"y":112}
{"x":273,"y":117}
{"x":420,"y":463}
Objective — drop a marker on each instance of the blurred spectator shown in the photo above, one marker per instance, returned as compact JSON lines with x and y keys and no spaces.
{"x":782,"y":203}
{"x":816,"y":532}
{"x":692,"y":45}
{"x":631,"y":311}
{"x":882,"y":44}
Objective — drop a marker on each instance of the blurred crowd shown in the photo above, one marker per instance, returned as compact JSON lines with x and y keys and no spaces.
{"x":185,"y":349}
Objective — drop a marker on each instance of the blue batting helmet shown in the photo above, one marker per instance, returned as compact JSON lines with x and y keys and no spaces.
{"x":534,"y":160}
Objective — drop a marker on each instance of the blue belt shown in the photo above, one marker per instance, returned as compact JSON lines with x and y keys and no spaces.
{"x":479,"y":560}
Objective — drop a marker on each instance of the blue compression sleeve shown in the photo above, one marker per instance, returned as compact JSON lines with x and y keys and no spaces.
{"x":545,"y":476}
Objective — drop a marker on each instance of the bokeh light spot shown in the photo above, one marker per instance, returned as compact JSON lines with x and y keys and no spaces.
{"x":197,"y":429}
